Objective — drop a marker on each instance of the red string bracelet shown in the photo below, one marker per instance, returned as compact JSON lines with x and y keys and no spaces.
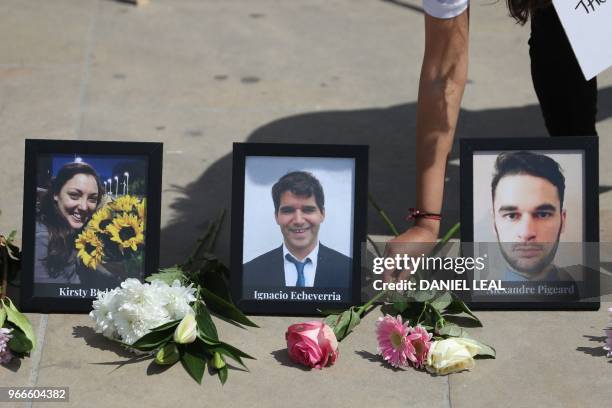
{"x":416,"y":213}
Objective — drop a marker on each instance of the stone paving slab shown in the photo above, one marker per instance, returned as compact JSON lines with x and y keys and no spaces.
{"x":551,"y":359}
{"x":199,"y":75}
{"x":44,"y":33}
{"x":75,"y":356}
{"x":544,"y":359}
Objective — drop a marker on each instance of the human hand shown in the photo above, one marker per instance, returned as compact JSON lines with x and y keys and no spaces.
{"x":416,"y":241}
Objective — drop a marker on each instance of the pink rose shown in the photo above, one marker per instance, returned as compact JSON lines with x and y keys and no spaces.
{"x":312,"y":344}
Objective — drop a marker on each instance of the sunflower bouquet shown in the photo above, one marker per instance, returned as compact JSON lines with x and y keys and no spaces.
{"x":115,"y":234}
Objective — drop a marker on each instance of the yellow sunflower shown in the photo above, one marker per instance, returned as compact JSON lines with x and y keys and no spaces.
{"x":90,"y":248}
{"x":100,"y":220}
{"x":124,"y":203}
{"x":127,"y":231}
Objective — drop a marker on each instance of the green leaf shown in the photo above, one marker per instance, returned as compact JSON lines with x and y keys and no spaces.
{"x":19,"y":343}
{"x":208,"y":341}
{"x":205,"y":323}
{"x":231,"y":352}
{"x":400,"y":306}
{"x":327,"y":312}
{"x":440,"y":323}
{"x":222,"y":373}
{"x":167,"y":275}
{"x":2,"y":316}
{"x":225,"y":308}
{"x":458,"y":306}
{"x":343,"y":323}
{"x":441,"y":302}
{"x":166,"y":326}
{"x":224,"y":349}
{"x":213,"y":279}
{"x":236,"y":352}
{"x":19,"y":320}
{"x":193,"y":364}
{"x":422,"y":295}
{"x":153,"y":340}
{"x":486,"y":351}
{"x":452,"y":330}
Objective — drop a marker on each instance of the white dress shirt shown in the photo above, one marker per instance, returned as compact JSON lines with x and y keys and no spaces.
{"x":310,"y":269}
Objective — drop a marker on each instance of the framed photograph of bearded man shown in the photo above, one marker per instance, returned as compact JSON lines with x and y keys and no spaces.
{"x":529,"y":209}
{"x":90,"y":220}
{"x":298,"y":219}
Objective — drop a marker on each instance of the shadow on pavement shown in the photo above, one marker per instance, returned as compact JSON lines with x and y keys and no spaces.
{"x":283,"y":358}
{"x":375,"y":358}
{"x":96,"y":340}
{"x":597,"y":351}
{"x":390,"y":134}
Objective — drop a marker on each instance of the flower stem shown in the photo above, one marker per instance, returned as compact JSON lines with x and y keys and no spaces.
{"x":374,"y":246}
{"x":365,"y":307}
{"x":383,"y":215}
{"x":5,"y":266}
{"x":449,"y":234}
{"x":215,"y":231}
{"x":198,"y":302}
{"x":201,"y":241}
{"x":422,"y":311}
{"x":210,"y":236}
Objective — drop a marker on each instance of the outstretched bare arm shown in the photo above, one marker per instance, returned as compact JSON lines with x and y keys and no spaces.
{"x":442,"y":81}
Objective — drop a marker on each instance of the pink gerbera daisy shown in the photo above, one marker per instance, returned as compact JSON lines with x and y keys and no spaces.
{"x":393,"y":344}
{"x":421,"y":341}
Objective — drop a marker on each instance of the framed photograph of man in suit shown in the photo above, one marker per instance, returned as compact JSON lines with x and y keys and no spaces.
{"x":298,"y":221}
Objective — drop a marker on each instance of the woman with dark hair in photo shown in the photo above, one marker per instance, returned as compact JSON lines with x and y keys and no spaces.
{"x":72,"y":198}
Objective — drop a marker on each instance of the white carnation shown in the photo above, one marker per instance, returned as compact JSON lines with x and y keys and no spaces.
{"x":179,"y":298}
{"x":131,"y":311}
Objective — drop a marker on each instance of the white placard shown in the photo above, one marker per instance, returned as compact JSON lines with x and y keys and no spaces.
{"x":588,"y":25}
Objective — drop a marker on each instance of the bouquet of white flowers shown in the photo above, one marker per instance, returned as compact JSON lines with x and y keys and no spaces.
{"x":129,"y":312}
{"x":169,"y":316}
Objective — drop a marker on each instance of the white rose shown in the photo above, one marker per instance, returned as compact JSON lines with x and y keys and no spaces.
{"x":451,"y":355}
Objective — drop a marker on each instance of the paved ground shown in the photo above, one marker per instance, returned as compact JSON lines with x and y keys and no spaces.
{"x":201,"y":74}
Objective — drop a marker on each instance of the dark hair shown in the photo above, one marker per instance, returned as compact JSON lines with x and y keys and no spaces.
{"x":521,"y":10}
{"x":300,"y":183}
{"x":533,"y":164}
{"x":61,"y":235}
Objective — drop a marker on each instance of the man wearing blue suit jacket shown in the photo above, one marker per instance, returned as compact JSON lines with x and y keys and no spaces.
{"x":301,"y":261}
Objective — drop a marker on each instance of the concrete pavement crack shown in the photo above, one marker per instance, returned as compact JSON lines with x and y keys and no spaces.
{"x":37,"y":355}
{"x":86,"y":72}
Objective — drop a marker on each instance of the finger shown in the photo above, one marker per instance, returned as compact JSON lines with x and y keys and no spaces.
{"x":389,"y":275}
{"x":403,"y":274}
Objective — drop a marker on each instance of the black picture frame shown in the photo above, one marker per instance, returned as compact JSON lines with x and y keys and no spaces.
{"x":39,"y":150}
{"x":588,"y":146}
{"x":242,"y":151}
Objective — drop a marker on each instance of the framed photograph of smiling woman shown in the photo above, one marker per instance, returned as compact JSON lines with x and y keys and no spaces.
{"x":530,"y":208}
{"x":298,"y":219}
{"x":90,"y":220}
